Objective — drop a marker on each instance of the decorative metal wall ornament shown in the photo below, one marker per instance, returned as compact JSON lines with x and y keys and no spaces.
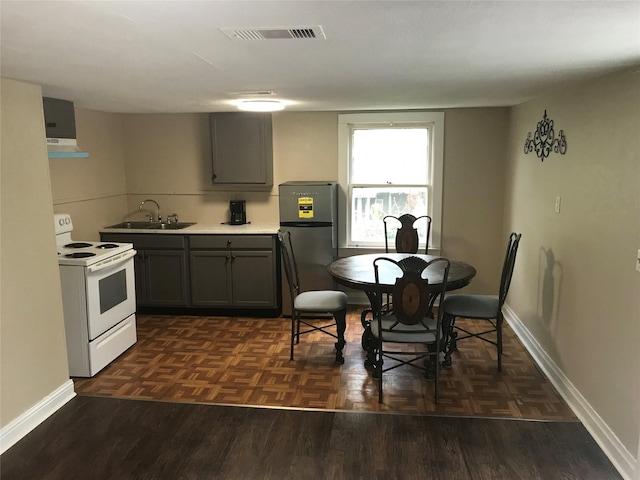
{"x":544,"y":140}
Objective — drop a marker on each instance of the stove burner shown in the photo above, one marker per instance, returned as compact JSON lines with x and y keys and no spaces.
{"x":77,"y":245}
{"x":107,"y":245}
{"x":80,"y":255}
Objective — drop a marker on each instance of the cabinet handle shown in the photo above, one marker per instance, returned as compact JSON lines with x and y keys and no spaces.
{"x":228,"y":243}
{"x":233,"y":257}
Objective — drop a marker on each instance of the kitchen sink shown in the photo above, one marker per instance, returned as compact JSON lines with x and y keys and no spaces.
{"x":132,"y":225}
{"x":152,"y":225}
{"x":174,"y":226}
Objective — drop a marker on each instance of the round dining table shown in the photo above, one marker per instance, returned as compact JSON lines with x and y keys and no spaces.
{"x":357,"y":272}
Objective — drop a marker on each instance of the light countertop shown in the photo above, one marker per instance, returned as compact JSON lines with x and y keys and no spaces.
{"x":205,"y":228}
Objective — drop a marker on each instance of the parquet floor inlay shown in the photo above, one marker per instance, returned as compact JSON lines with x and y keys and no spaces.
{"x":245,"y":361}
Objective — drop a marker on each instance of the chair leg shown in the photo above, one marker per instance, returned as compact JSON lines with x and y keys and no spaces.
{"x":499,"y":342}
{"x":378,"y":371}
{"x":341,"y":325}
{"x":293,"y":332}
{"x":450,"y":338}
{"x":437,"y":376}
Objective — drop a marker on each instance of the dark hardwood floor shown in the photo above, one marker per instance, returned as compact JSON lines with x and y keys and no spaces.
{"x":107,"y":438}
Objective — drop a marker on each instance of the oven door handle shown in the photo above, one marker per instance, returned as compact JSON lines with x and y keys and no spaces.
{"x":112,"y":261}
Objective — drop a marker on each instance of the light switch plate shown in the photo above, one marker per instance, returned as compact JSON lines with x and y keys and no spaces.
{"x":557,"y":204}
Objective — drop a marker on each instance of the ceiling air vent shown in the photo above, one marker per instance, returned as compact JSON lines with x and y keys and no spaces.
{"x":274,"y":33}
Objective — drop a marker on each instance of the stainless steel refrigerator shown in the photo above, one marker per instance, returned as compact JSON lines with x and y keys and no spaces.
{"x":309,"y":210}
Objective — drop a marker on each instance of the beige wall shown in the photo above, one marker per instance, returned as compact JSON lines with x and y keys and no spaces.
{"x":305,"y":146}
{"x":473,"y":194}
{"x":575,"y":286}
{"x":92,"y":190}
{"x":33,"y":356}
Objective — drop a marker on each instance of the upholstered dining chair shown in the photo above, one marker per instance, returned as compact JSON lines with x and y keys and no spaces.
{"x":481,"y":307}
{"x":312,"y":302}
{"x":408,"y":330}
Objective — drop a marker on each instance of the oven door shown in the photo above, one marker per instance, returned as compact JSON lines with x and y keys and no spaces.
{"x":111,"y":294}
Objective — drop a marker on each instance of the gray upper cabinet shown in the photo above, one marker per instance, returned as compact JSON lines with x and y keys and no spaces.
{"x":242,"y":148}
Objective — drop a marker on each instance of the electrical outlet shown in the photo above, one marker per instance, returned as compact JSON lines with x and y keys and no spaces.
{"x":558,"y":204}
{"x":638,"y":261}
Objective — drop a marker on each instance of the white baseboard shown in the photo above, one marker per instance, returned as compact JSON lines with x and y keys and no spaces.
{"x":21,"y":426}
{"x":624,"y":462}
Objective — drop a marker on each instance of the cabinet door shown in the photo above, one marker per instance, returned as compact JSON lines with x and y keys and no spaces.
{"x":242,"y":148}
{"x":253,"y":279}
{"x":210,"y":278}
{"x":166,"y":277}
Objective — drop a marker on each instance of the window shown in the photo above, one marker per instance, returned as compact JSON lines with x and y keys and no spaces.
{"x":389,"y":164}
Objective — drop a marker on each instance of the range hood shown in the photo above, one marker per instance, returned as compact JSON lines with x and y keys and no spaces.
{"x":60,"y":125}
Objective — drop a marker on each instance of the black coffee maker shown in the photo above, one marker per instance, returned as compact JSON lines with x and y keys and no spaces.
{"x":238,"y":212}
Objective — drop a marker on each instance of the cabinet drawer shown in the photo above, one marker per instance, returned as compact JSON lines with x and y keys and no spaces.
{"x":146,"y":241}
{"x":231,"y":241}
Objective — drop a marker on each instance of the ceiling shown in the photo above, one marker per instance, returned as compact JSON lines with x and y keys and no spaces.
{"x":176,"y":56}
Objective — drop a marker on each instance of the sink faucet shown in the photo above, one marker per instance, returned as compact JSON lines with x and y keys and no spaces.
{"x":157,"y":208}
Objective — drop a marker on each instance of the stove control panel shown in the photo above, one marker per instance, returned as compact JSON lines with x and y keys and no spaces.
{"x":62,"y":223}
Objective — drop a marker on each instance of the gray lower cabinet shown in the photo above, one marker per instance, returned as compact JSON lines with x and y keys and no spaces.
{"x":164,"y":278}
{"x":160,"y":268}
{"x":210,"y":279}
{"x":204,"y":271}
{"x":233,"y":271}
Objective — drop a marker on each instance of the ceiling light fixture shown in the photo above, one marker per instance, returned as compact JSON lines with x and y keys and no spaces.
{"x":260,"y":105}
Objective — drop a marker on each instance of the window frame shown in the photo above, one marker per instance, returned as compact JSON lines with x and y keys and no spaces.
{"x":346,"y":122}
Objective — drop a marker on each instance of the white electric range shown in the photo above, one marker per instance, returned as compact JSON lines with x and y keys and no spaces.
{"x":98,"y":297}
